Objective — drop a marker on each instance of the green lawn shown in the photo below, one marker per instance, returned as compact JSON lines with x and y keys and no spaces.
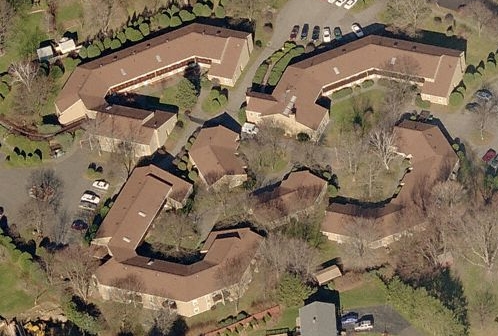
{"x":13,"y":299}
{"x":70,"y":12}
{"x":361,"y":5}
{"x":372,"y":292}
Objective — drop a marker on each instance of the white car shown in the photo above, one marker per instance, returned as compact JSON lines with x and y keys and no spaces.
{"x":350,"y":3}
{"x":340,"y":2}
{"x":363,"y":326}
{"x":356,"y":28}
{"x":90,"y":198}
{"x":101,"y":184}
{"x":326,"y":35}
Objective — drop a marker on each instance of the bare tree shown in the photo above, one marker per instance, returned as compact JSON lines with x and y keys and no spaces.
{"x":24,"y":72}
{"x":484,"y":304}
{"x":174,"y":225}
{"x":369,"y":173}
{"x":485,"y":115}
{"x":481,"y":13}
{"x":349,"y":151}
{"x":382,"y":142}
{"x":234,"y":276}
{"x":362,"y":231}
{"x":478,"y":237}
{"x":245,"y":8}
{"x":39,"y":214}
{"x":127,"y":298}
{"x":6,"y":18}
{"x":407,"y":14}
{"x":77,"y":265}
{"x":162,"y":322}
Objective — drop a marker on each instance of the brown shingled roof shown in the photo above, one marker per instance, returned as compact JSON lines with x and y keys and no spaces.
{"x":298,"y":191}
{"x":307,"y":78}
{"x":146,"y":190}
{"x":91,"y":81}
{"x":214,"y":153}
{"x":433,"y":158}
{"x":185,"y":282}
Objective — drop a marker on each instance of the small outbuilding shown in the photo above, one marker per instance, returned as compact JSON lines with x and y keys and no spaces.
{"x":327,"y":274}
{"x":65,"y":45}
{"x":45,"y":53}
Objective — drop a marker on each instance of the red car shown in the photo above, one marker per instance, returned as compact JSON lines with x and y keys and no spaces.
{"x":490,"y":155}
{"x":294,"y":32}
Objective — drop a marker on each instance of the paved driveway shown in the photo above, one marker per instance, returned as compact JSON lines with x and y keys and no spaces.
{"x":313,"y":12}
{"x":385,"y":319}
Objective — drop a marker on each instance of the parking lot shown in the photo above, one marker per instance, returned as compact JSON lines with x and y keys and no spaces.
{"x":70,"y":168}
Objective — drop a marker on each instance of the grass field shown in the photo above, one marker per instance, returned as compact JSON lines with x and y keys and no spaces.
{"x":371,"y":292}
{"x":13,"y":299}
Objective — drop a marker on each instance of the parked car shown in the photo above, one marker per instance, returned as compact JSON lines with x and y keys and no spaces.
{"x":472,"y":106}
{"x":349,"y":318}
{"x":90,"y":198}
{"x":490,"y":155}
{"x":350,"y":3}
{"x":340,"y":2}
{"x":326,"y":35}
{"x":294,"y":32}
{"x":79,"y":225}
{"x":304,"y":32}
{"x":315,"y":35}
{"x":88,"y":206}
{"x":100,"y":184}
{"x":364,"y":325}
{"x":337,"y":33}
{"x":484,"y":94}
{"x":356,"y":28}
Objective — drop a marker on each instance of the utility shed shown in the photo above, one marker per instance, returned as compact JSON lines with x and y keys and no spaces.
{"x":327,"y":274}
{"x":45,"y":53}
{"x":318,"y":319}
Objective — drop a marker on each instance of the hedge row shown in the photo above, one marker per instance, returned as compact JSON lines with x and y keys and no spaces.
{"x":259,"y":76}
{"x":342,"y":93}
{"x":141,"y":27}
{"x":280,"y":65}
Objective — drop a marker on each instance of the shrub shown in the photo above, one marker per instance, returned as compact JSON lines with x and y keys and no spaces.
{"x":449,"y":31}
{"x":163,"y":20}
{"x":175,"y":21}
{"x":179,"y":124}
{"x":268,"y":28}
{"x":83,"y":53}
{"x":342,"y":93}
{"x":197,"y":9}
{"x":332,"y":190}
{"x":258,"y":44}
{"x":455,"y":147}
{"x":4,"y":89}
{"x":93,"y":51}
{"x":115,"y":44}
{"x":132,"y":34}
{"x":425,"y":104}
{"x":310,"y":47}
{"x":368,"y":83}
{"x":144,"y":29}
{"x":99,"y":44}
{"x":276,"y":56}
{"x":384,"y":82}
{"x":192,"y":175}
{"x":456,"y":98}
{"x":107,"y":43}
{"x":468,"y":78}
{"x":222,"y":99}
{"x":260,"y":73}
{"x":186,"y":16}
{"x":173,"y":9}
{"x":219,"y":12}
{"x":121,"y":36}
{"x":182,"y":166}
{"x":437,"y":19}
{"x":303,"y":137}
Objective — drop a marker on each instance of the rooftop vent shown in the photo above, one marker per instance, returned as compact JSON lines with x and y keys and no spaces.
{"x":414,"y":47}
{"x":395,"y":43}
{"x":344,"y":49}
{"x":126,"y":239}
{"x":115,"y":57}
{"x":142,"y":214}
{"x":148,"y":45}
{"x":107,"y":108}
{"x":218,"y":32}
{"x":123,"y":72}
{"x":336,"y":70}
{"x":158,"y":59}
{"x":393,"y":60}
{"x":150,"y":262}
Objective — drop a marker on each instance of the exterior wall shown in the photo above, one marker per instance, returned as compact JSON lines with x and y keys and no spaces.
{"x":76,"y":112}
{"x":162,"y":133}
{"x":232,"y":181}
{"x":109,"y":145}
